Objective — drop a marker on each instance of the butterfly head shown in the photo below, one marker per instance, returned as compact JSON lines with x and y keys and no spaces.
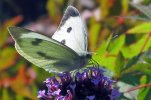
{"x":88,"y":55}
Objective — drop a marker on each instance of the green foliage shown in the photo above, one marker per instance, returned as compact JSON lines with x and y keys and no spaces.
{"x":94,"y":33}
{"x":144,"y":9}
{"x":141,"y":28}
{"x":142,"y":95}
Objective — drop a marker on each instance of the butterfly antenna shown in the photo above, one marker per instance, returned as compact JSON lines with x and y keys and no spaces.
{"x":72,"y":2}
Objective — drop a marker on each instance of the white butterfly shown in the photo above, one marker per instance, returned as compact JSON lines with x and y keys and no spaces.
{"x":65,"y":51}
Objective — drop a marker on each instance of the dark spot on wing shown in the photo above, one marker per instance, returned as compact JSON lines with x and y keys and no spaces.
{"x":69,"y":29}
{"x":44,"y":55}
{"x":36,"y":41}
{"x":63,"y":41}
{"x":63,"y":63}
{"x":70,"y":12}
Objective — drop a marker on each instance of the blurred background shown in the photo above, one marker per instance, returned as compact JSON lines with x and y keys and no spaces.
{"x":119,"y":33}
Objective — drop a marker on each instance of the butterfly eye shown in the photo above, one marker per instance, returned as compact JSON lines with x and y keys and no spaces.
{"x":69,"y":29}
{"x":63,"y":41}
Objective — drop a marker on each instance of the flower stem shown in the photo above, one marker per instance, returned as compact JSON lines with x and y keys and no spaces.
{"x":138,"y":87}
{"x":145,"y":43}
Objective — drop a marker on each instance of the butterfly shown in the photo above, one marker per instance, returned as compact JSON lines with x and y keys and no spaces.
{"x":66,"y":50}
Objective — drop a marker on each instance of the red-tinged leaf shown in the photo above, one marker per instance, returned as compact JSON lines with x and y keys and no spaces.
{"x":13,"y":21}
{"x":20,"y":86}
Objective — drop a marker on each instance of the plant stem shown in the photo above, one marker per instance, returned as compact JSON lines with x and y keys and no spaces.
{"x":145,"y":43}
{"x":138,"y":87}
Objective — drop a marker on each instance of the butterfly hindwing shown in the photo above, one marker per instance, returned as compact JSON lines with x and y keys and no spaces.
{"x":43,"y":51}
{"x":72,"y":32}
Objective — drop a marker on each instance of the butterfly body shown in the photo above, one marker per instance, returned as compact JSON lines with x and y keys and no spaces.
{"x":65,"y":51}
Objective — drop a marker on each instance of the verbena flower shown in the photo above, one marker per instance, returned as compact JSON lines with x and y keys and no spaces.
{"x":90,"y":84}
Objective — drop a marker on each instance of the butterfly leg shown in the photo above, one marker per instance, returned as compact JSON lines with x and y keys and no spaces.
{"x":95,"y":63}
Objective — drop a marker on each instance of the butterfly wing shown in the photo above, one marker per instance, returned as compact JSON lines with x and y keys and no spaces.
{"x":43,"y":51}
{"x":71,"y":31}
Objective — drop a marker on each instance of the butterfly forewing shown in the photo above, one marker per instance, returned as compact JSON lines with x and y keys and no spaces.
{"x":43,"y":51}
{"x":71,"y":31}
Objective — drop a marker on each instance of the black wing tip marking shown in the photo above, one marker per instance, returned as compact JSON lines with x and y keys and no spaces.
{"x":70,"y":12}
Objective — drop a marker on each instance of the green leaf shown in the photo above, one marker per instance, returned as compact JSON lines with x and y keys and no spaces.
{"x":116,"y":45}
{"x":135,"y":48}
{"x":19,"y":97}
{"x":141,"y":63}
{"x":146,"y":57}
{"x":125,"y":6}
{"x":141,"y":28}
{"x":141,"y":67}
{"x":6,"y":60}
{"x":119,"y":63}
{"x":5,"y":94}
{"x":94,"y":33}
{"x":148,"y":60}
{"x":123,"y":87}
{"x":137,"y":18}
{"x":40,"y":76}
{"x":144,"y":9}
{"x":51,"y":7}
{"x":101,"y":55}
{"x":143,"y":91}
{"x":108,"y":62}
{"x":107,"y":52}
{"x":104,"y":5}
{"x":131,"y":61}
{"x":102,"y":48}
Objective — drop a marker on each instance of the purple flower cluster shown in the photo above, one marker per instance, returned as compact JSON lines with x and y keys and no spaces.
{"x":90,"y":84}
